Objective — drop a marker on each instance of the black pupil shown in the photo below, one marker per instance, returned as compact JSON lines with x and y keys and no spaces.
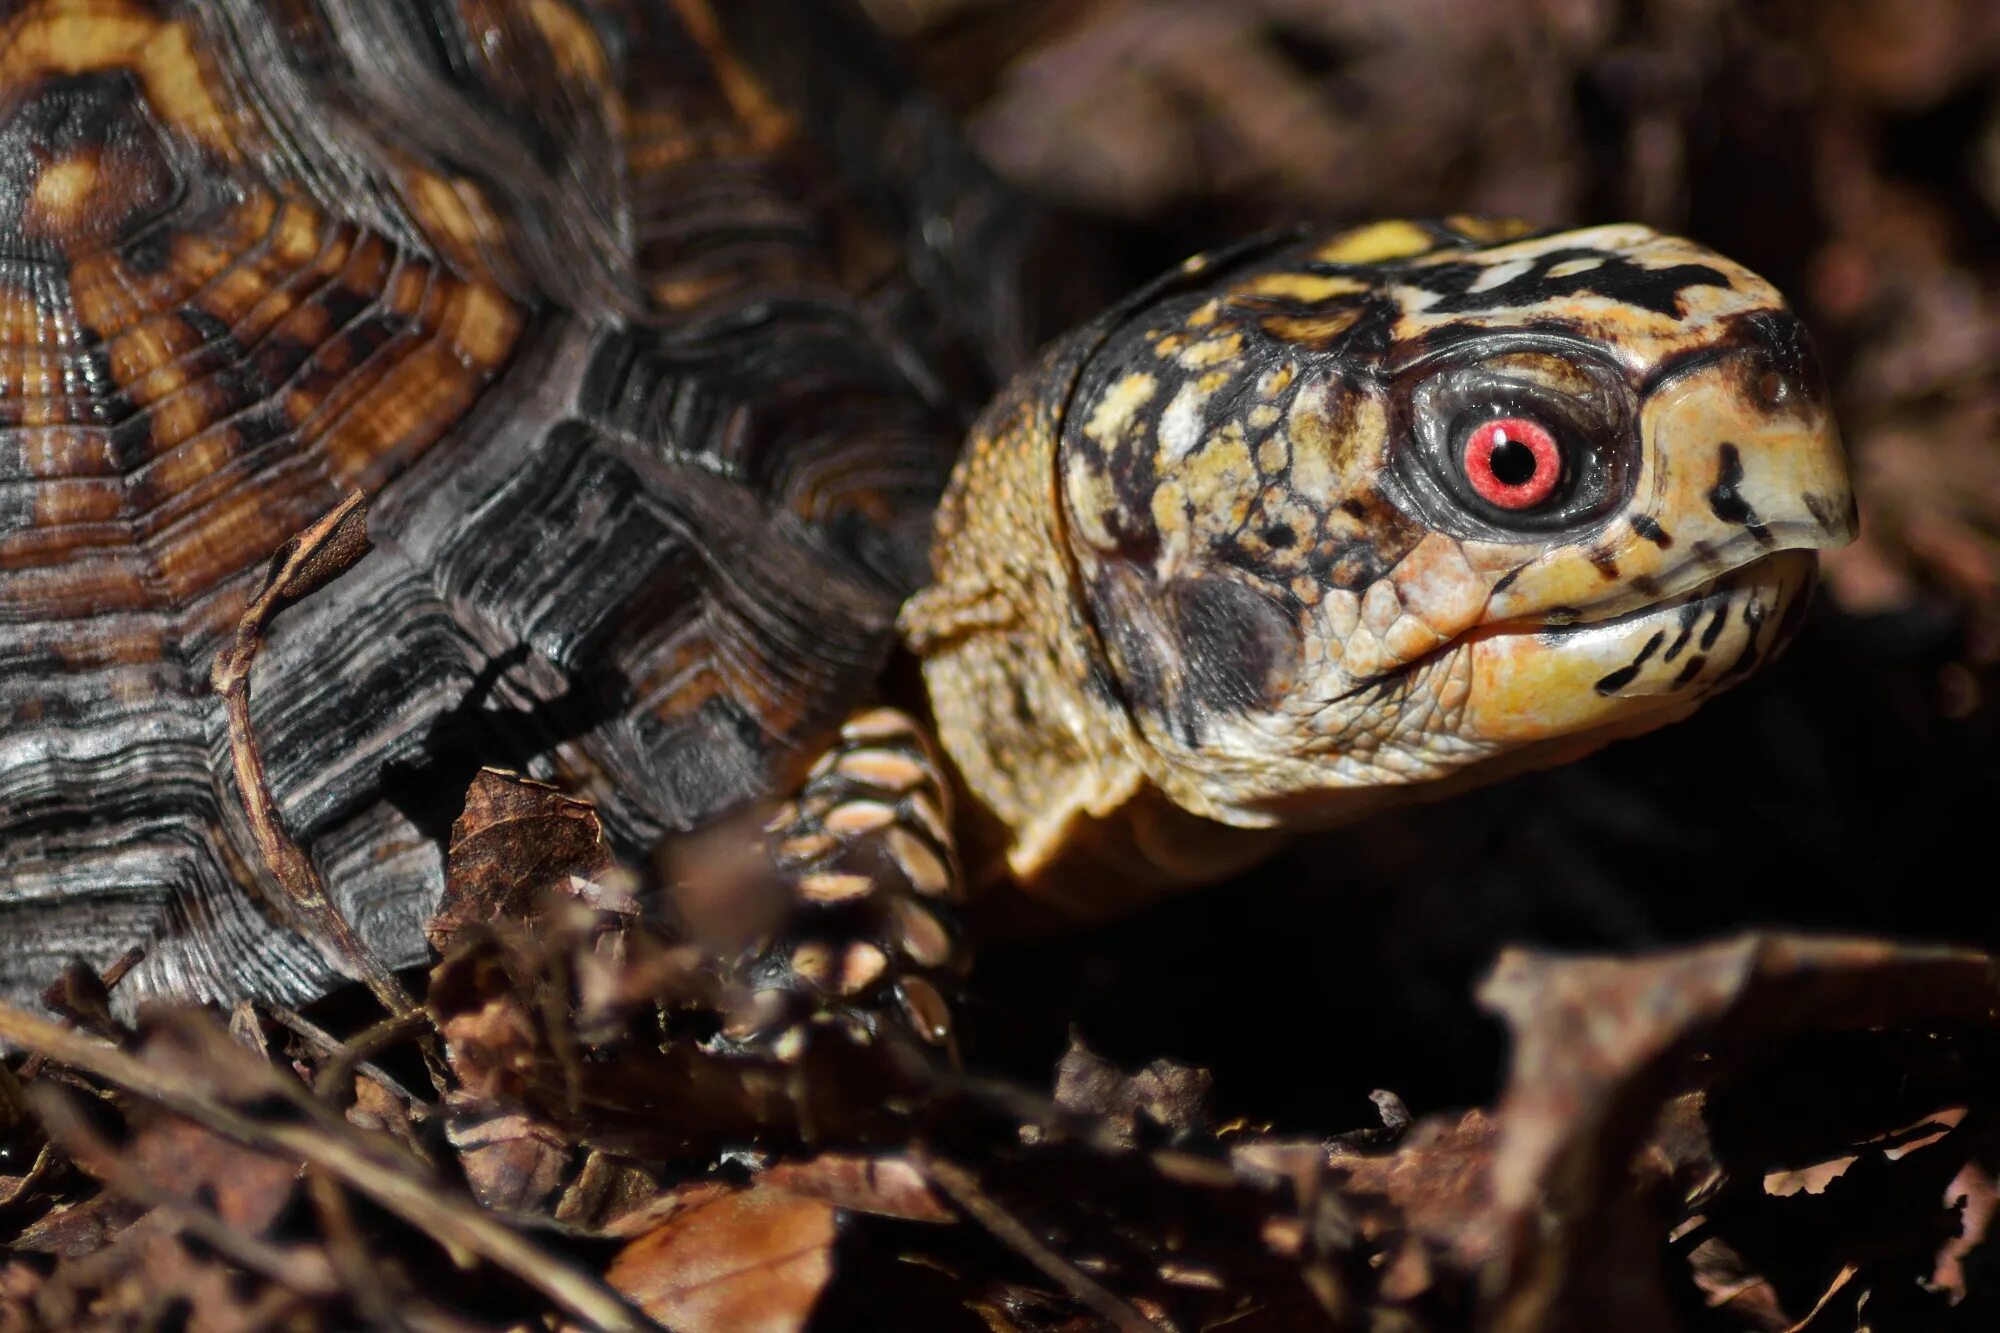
{"x":1513,"y":463}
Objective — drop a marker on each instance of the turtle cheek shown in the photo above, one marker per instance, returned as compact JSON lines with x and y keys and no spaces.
{"x":1196,"y":652}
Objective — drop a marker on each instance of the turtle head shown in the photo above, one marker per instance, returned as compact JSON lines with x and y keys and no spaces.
{"x":1309,"y":525}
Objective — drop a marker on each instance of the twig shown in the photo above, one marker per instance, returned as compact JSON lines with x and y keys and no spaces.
{"x":301,"y":567}
{"x":959,"y":1185}
{"x":345,"y":1153}
{"x":329,"y":1047}
{"x":301,"y":1271}
{"x":351,"y":1056}
{"x":348,"y":1254}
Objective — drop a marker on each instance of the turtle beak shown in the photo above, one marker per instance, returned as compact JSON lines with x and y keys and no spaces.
{"x":1714,"y":563}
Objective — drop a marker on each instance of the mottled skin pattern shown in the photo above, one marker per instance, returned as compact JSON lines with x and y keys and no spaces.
{"x":1218,"y":563}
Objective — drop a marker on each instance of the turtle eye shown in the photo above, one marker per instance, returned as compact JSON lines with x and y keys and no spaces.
{"x":1512,"y":463}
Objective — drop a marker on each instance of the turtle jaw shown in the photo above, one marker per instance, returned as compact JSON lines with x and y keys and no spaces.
{"x":1616,"y":677}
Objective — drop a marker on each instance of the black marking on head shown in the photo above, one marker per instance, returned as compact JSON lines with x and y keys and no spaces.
{"x":1605,"y":563}
{"x":1706,"y":554}
{"x":1753,"y":617}
{"x":1690,"y":615}
{"x":1238,"y":646}
{"x":1715,"y":626}
{"x":1690,"y":671}
{"x":1614,"y":277}
{"x":1279,"y":536}
{"x":1506,"y":581}
{"x":1822,"y":511}
{"x":1624,"y":675}
{"x":1353,"y":508}
{"x":1645,"y":585}
{"x":1727,"y":503}
{"x":1649,"y":527}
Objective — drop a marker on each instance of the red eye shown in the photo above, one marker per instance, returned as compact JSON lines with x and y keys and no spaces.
{"x":1513,"y":463}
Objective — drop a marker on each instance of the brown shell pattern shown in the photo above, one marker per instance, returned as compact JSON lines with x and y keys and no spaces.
{"x":627,"y":362}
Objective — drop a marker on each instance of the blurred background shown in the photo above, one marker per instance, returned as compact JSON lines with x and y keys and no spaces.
{"x":1847,"y":149}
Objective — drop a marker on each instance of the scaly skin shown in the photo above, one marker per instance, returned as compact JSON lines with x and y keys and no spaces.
{"x":1219,"y":566}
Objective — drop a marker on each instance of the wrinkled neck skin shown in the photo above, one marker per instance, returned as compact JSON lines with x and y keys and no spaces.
{"x":1236,"y":558}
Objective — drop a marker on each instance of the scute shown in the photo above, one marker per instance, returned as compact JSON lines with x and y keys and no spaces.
{"x":558,"y":285}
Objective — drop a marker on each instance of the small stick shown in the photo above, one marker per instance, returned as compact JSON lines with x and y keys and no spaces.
{"x":301,"y":1271}
{"x":962,"y":1189}
{"x":302,"y":566}
{"x":346,"y":1154}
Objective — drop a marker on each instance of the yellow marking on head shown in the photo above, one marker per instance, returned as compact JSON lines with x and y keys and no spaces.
{"x":1373,"y":245}
{"x":1212,"y":351}
{"x":1489,"y":231}
{"x":1115,"y":409}
{"x":1310,"y":288}
{"x":1310,"y":329}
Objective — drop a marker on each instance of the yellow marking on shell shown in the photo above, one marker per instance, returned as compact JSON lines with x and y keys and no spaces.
{"x":1277,"y":379}
{"x":454,"y":215}
{"x":1375,"y":244}
{"x":924,"y":868}
{"x":171,"y":70}
{"x":73,"y":37}
{"x":835,"y":887}
{"x":571,"y":40}
{"x":765,"y":122}
{"x":1271,"y":455}
{"x":487,"y":326}
{"x":1116,"y":408}
{"x":1262,"y":417}
{"x":1309,"y":288}
{"x":63,"y":188}
{"x":1203,"y":315}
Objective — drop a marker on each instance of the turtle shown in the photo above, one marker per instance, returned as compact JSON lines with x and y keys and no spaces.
{"x":686,"y":357}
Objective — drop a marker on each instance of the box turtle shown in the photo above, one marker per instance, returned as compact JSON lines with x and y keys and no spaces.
{"x":652,"y":331}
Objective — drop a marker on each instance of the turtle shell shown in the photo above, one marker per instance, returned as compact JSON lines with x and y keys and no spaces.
{"x":641,"y":357}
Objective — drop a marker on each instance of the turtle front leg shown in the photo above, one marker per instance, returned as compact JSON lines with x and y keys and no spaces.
{"x":869,"y":933}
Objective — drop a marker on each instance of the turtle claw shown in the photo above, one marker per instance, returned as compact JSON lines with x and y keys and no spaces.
{"x":868,"y":937}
